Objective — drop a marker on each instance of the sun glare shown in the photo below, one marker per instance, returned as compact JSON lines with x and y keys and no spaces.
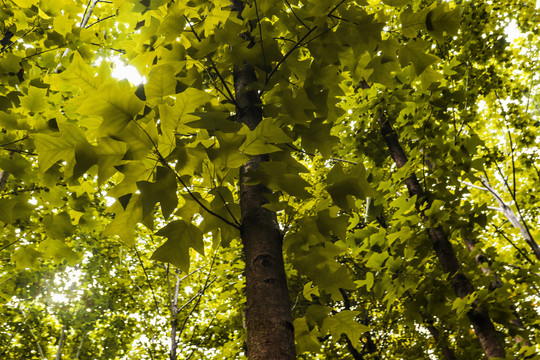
{"x":129,"y":72}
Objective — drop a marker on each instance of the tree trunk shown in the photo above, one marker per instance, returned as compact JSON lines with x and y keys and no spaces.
{"x":507,"y":211}
{"x":478,"y":315}
{"x":174,"y":319}
{"x":443,"y":345}
{"x":270,"y":333}
{"x":494,"y":284}
{"x":61,"y":343}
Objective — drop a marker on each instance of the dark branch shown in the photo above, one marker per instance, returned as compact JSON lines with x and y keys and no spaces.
{"x":100,"y":20}
{"x":287,"y":54}
{"x":260,"y":35}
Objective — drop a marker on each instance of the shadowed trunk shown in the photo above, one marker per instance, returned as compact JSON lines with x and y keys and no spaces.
{"x":478,"y":315}
{"x":270,"y":333}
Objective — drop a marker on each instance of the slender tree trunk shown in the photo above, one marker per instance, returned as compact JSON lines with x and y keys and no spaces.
{"x":494,"y":284}
{"x":478,"y":315}
{"x":270,"y":333}
{"x":174,"y":320}
{"x":61,"y":343}
{"x":507,"y":211}
{"x":80,"y":347}
{"x":3,"y":179}
{"x":445,"y":350}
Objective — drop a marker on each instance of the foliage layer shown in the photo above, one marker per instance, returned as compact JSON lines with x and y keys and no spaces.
{"x":396,"y":154}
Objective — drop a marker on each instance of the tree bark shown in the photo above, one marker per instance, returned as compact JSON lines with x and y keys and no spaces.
{"x":494,"y":284}
{"x":445,"y":350}
{"x":478,"y":315}
{"x":174,"y":319}
{"x":270,"y":333}
{"x":507,"y":211}
{"x":3,"y":179}
{"x":61,"y":343}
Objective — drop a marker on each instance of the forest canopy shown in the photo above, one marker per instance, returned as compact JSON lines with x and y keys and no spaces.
{"x":324,"y":179}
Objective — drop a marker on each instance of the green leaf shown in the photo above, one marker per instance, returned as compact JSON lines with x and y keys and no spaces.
{"x":58,"y":226}
{"x":59,"y":251}
{"x":52,"y":149}
{"x":276,"y":176}
{"x":440,"y":22}
{"x":412,"y":22}
{"x":174,"y":118}
{"x":16,"y":165}
{"x":109,"y":154}
{"x":125,"y":220}
{"x":180,"y":237}
{"x":161,"y":82}
{"x":414,"y":53}
{"x":344,"y":323}
{"x":310,"y":290}
{"x":341,"y":185}
{"x":306,"y":340}
{"x":228,"y":154}
{"x":163,"y":190}
{"x":35,"y":100}
{"x":317,"y":137}
{"x":263,"y":138}
{"x":115,"y":103}
{"x":368,"y":281}
{"x":376,"y":260}
{"x":436,"y":207}
{"x":78,"y":76}
{"x":396,"y":3}
{"x":26,"y":257}
{"x":384,"y":68}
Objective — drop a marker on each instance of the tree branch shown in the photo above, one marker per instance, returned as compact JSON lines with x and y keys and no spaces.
{"x":507,"y":211}
{"x":147,"y":278}
{"x":287,"y":54}
{"x":100,"y":20}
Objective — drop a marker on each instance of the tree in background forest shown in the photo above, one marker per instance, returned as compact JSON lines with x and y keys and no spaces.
{"x":325,"y":179}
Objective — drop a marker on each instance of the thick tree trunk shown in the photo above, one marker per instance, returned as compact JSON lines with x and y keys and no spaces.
{"x":270,"y":333}
{"x":478,"y":315}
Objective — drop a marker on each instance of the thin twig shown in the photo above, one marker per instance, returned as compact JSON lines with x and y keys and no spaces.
{"x":296,"y":16}
{"x":11,"y":243}
{"x":203,"y":334}
{"x":511,"y":143}
{"x":260,"y":35}
{"x":100,"y":20}
{"x":514,"y":245}
{"x":231,"y":97}
{"x":335,"y":7}
{"x":288,"y":53}
{"x":13,"y":142}
{"x":317,"y":154}
{"x":206,"y":285}
{"x":192,"y":29}
{"x":13,"y":42}
{"x":162,"y":160}
{"x":147,"y":278}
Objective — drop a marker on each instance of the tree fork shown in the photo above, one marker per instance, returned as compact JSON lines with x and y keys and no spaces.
{"x":270,"y":332}
{"x":478,"y":315}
